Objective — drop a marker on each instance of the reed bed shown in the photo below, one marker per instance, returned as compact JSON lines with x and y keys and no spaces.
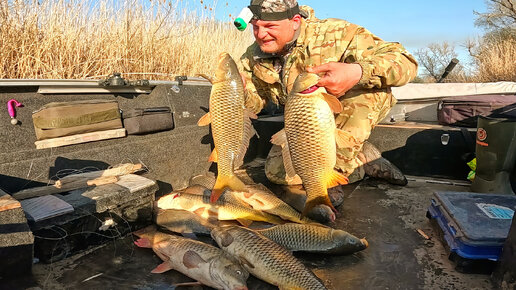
{"x":496,"y":61}
{"x":77,"y":39}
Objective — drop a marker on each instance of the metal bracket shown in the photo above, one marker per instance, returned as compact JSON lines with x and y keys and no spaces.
{"x":181,"y":79}
{"x":116,"y":80}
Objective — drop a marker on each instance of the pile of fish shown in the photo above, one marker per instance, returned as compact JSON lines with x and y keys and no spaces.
{"x":279,"y":231}
{"x":265,"y":251}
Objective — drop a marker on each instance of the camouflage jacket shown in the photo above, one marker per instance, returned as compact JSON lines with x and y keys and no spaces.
{"x":384,"y":64}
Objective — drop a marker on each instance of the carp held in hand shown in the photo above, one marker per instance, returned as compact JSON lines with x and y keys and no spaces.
{"x":309,"y":140}
{"x":230,"y":125}
{"x":207,"y":264}
{"x":266,"y":259}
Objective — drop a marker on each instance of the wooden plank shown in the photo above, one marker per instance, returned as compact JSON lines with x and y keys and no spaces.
{"x":80,"y":138}
{"x":119,"y":170}
{"x":45,"y":207}
{"x":52,"y":189}
{"x":135,"y":182}
{"x":7,"y":202}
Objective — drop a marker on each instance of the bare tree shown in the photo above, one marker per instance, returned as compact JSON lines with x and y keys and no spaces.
{"x":501,"y":14}
{"x":435,"y":58}
{"x":494,"y":52}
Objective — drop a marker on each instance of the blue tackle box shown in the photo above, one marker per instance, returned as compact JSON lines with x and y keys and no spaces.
{"x":474,"y":225}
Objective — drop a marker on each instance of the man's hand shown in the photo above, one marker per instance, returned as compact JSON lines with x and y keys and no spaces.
{"x":338,"y":77}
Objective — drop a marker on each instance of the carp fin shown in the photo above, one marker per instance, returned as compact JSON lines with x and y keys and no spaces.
{"x":333,"y":102}
{"x":200,"y":211}
{"x":260,"y":203}
{"x":249,"y":132}
{"x":143,"y":243}
{"x":161,"y":268}
{"x":337,"y":178}
{"x":192,"y":260}
{"x":342,"y":138}
{"x":223,"y":181}
{"x":204,"y":120}
{"x":245,"y":222}
{"x":214,"y":156}
{"x":280,"y":139}
{"x":207,"y":77}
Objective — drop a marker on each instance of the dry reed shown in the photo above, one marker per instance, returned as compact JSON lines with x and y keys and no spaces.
{"x":76,"y":39}
{"x":496,"y":61}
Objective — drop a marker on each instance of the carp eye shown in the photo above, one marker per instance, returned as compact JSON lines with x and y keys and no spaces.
{"x":239,"y":273}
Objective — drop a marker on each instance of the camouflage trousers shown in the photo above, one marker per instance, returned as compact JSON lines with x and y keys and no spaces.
{"x":362,"y":112}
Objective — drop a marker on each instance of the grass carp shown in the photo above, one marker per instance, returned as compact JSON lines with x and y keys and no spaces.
{"x":265,"y":259}
{"x":309,"y":139}
{"x":207,"y":264}
{"x":230,"y":124}
{"x":221,"y":210}
{"x":314,"y":238}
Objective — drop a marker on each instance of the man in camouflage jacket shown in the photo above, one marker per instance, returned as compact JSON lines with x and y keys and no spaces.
{"x":356,"y":66}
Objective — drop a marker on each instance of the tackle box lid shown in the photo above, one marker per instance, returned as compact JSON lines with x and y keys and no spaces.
{"x":475,"y":218}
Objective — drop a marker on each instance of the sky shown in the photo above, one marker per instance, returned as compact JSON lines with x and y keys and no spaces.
{"x":415,"y":24}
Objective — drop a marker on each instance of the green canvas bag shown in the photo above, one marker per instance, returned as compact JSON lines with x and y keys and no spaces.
{"x":60,"y":119}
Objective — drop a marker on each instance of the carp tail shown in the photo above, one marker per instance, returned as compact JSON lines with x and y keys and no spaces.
{"x":223,"y":181}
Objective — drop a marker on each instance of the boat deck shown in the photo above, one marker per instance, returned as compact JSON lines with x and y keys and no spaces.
{"x":398,"y":257}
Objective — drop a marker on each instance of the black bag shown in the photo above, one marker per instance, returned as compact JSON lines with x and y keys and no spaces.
{"x":148,"y":120}
{"x":464,"y":110}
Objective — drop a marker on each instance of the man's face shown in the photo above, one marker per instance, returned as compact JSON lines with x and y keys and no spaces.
{"x":272,"y":36}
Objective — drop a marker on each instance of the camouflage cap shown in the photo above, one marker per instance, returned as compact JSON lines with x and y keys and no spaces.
{"x":274,"y":9}
{"x":269,"y":6}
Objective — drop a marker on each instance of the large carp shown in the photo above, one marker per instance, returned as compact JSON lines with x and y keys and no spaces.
{"x":207,"y":264}
{"x":309,"y":139}
{"x":314,"y":238}
{"x":230,"y":125}
{"x":258,"y":197}
{"x":266,"y":259}
{"x":221,"y":210}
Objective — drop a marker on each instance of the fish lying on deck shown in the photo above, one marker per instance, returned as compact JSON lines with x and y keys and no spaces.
{"x":259,"y":199}
{"x":184,"y":222}
{"x":309,"y":139}
{"x":314,"y":238}
{"x":266,"y":259}
{"x":221,"y":210}
{"x":207,"y":264}
{"x":266,"y":201}
{"x":230,"y":124}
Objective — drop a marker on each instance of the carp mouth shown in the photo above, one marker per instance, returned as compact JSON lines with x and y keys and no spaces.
{"x":310,"y":90}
